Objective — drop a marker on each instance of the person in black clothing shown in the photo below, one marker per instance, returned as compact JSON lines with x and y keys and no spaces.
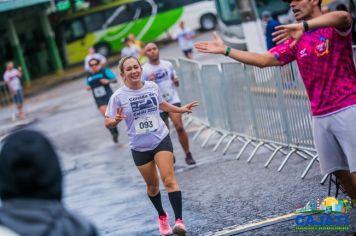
{"x":99,"y":83}
{"x":31,"y":189}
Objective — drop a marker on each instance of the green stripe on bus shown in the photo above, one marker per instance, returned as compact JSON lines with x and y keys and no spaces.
{"x":114,"y":35}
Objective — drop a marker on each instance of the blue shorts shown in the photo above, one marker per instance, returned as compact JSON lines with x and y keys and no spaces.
{"x":18,"y":97}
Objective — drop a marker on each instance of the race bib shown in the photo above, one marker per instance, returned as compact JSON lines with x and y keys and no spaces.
{"x":167,"y":97}
{"x":146,"y":124}
{"x":99,"y":92}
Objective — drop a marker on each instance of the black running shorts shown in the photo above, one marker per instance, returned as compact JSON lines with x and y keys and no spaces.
{"x":102,"y":101}
{"x":141,"y":158}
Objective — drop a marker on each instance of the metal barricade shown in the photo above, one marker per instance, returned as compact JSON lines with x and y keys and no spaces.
{"x":259,"y":107}
{"x":191,"y":82}
{"x":215,"y":103}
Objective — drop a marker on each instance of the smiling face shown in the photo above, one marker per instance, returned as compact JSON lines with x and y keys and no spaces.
{"x":131,"y":71}
{"x":305,"y":9}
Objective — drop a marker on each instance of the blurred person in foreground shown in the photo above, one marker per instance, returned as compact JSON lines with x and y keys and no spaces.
{"x":31,"y":189}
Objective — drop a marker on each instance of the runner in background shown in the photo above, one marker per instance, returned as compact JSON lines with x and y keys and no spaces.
{"x":163,"y":73}
{"x":130,"y":49}
{"x":140,"y":46}
{"x":91,"y":55}
{"x":99,"y":83}
{"x":185,"y":37}
{"x":12,"y":79}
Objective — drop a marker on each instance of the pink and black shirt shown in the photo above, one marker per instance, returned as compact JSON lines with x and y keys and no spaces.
{"x":325,"y":62}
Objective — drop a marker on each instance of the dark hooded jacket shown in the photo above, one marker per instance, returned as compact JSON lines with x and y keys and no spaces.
{"x":31,"y":189}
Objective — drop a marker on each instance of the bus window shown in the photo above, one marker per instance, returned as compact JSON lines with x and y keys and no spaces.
{"x":229,"y":12}
{"x":94,"y":21}
{"x":75,"y":30}
{"x":276,"y":7}
{"x":166,"y":5}
{"x":145,"y":8}
{"x":120,"y":15}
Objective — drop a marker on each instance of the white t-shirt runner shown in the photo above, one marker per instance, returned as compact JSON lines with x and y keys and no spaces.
{"x":12,"y":76}
{"x":145,"y":127}
{"x":164,"y":73}
{"x":183,"y":35}
{"x":132,"y":51}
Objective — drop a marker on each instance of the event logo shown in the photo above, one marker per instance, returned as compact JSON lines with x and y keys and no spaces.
{"x":329,"y":214}
{"x":323,"y":47}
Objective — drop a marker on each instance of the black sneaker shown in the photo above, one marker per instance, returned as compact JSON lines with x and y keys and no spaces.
{"x":115,"y":138}
{"x":189,"y":159}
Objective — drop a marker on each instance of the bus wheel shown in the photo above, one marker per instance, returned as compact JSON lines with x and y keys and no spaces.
{"x":103,"y":49}
{"x":208,"y":22}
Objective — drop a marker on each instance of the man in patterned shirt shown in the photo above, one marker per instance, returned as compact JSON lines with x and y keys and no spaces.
{"x":322,"y":46}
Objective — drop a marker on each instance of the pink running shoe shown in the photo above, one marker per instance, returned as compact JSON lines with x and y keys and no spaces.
{"x":179,"y":228}
{"x":164,"y":227}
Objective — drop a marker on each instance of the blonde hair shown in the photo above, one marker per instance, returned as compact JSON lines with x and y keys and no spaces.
{"x":121,"y":66}
{"x":122,"y":61}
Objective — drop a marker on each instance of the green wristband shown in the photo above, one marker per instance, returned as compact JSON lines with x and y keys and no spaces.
{"x":227,"y":52}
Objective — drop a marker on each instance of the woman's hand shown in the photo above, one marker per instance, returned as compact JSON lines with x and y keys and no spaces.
{"x":152,"y":77}
{"x":285,"y":32}
{"x":176,"y":82}
{"x":189,"y":107}
{"x":215,"y":46}
{"x":119,"y":115}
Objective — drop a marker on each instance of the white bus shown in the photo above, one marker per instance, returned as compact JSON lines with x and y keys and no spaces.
{"x":230,"y":16}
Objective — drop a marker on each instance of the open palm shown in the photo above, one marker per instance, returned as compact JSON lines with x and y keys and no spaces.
{"x":285,"y":32}
{"x":215,"y":46}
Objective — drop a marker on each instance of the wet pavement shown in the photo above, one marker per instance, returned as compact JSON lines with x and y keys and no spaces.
{"x":103,"y":184}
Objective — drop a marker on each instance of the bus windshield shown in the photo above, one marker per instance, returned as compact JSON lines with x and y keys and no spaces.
{"x":230,"y":10}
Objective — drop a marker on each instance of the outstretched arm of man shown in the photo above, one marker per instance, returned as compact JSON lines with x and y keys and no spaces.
{"x":217,"y":46}
{"x":341,"y":20}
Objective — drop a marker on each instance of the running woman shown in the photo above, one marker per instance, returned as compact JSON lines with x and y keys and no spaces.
{"x":99,"y":83}
{"x":322,"y":46}
{"x":163,"y":73}
{"x":138,"y":103}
